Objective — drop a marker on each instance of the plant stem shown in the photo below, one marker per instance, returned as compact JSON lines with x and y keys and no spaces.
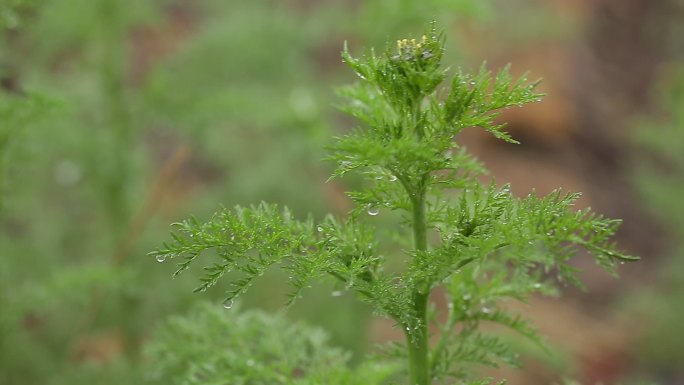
{"x":446,"y":331}
{"x":417,"y":339}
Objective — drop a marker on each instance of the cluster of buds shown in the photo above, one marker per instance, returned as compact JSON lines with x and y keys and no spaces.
{"x":410,"y":49}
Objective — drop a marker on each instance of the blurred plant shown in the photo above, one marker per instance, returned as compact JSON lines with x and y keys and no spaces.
{"x":50,"y":331}
{"x":660,"y":173}
{"x":16,"y":112}
{"x":11,"y":12}
{"x":659,"y":177}
{"x":478,"y":242}
{"x":254,"y":347}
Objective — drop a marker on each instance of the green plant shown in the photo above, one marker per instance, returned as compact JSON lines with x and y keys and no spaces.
{"x":255,"y":348}
{"x":477,"y":241}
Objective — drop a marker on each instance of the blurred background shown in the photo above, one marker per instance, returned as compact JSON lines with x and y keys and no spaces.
{"x":120,"y":117}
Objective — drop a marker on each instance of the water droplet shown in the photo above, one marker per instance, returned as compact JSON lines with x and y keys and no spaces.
{"x":250,"y":362}
{"x":161,"y":258}
{"x":336,"y":293}
{"x":373,"y":211}
{"x":228,"y":304}
{"x":392,"y":178}
{"x":378,"y":177}
{"x":319,"y":229}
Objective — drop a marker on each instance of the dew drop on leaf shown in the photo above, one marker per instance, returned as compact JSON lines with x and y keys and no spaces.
{"x":228,"y":304}
{"x":319,"y":229}
{"x":373,"y":211}
{"x":392,"y":178}
{"x":336,"y":293}
{"x":161,"y":258}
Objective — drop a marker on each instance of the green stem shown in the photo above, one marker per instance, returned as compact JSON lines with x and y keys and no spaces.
{"x":446,"y":330}
{"x":415,"y":117}
{"x":417,"y":339}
